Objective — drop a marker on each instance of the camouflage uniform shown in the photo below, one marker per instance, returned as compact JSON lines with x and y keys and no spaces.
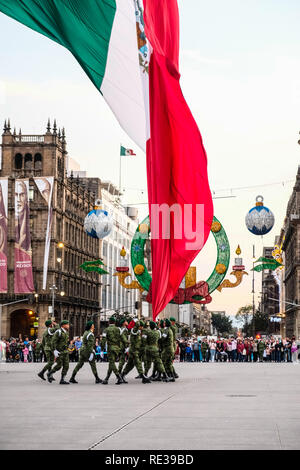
{"x":60,"y":343}
{"x":114,"y":340}
{"x":124,"y":345}
{"x":134,"y":351}
{"x":167,"y":355}
{"x":152,"y":352}
{"x":47,"y":347}
{"x":85,"y":352}
{"x":175,"y":332}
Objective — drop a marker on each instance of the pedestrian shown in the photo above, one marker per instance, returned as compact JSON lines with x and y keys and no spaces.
{"x":212,"y":346}
{"x":294,"y":351}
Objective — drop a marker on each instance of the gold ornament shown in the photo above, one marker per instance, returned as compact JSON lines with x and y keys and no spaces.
{"x":221,"y":268}
{"x":139,"y":269}
{"x":133,"y":285}
{"x":226,"y":283}
{"x":216,"y":227}
{"x":238,"y":250}
{"x":123,"y":252}
{"x":143,"y":228}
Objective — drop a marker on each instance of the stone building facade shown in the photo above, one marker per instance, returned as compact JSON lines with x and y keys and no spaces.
{"x":76,"y":293}
{"x":270,"y":301}
{"x":290,"y":239}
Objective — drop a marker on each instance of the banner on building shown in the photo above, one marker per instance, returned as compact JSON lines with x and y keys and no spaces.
{"x":45,"y":186}
{"x":3,"y":234}
{"x":23,"y":282}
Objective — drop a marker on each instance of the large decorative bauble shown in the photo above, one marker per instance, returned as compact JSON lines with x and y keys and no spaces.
{"x":98,"y":223}
{"x":260,"y":220}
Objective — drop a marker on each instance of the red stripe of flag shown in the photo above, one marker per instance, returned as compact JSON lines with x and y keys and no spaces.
{"x":176,"y":158}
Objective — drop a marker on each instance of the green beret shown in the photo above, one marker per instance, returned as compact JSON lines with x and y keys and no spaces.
{"x":152,"y":325}
{"x":89,"y":325}
{"x":64,"y":322}
{"x":162,"y":322}
{"x":112,"y":320}
{"x":142,"y":323}
{"x":122,"y":321}
{"x":48,"y":322}
{"x":167,"y":321}
{"x":172,"y":319}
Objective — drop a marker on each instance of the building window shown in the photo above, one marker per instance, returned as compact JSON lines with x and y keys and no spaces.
{"x":18,"y":161}
{"x":28,"y":161}
{"x":38,"y":161}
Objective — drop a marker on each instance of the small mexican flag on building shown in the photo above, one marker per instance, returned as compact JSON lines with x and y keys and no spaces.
{"x":124,"y":151}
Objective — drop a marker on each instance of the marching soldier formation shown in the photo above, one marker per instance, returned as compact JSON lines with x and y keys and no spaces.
{"x":146,"y":346}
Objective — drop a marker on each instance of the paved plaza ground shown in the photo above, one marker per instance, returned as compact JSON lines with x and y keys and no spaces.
{"x":211,"y":406}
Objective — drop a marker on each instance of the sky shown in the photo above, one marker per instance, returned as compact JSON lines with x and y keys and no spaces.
{"x":240,"y":74}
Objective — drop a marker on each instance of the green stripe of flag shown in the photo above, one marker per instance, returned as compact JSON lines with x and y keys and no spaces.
{"x":82,"y":26}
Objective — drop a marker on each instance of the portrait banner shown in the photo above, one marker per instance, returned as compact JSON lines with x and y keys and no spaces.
{"x":45,"y":186}
{"x":23,"y":282}
{"x":3,"y":234}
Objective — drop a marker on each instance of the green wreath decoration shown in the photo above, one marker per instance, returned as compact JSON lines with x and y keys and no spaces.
{"x":215,"y":279}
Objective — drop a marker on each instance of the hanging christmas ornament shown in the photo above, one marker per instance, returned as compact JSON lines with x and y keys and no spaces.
{"x":98,"y":223}
{"x":260,"y":220}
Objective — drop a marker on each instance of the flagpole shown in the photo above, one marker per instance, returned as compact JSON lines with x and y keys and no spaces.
{"x":120,"y":170}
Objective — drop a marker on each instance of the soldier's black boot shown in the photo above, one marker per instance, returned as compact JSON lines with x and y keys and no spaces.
{"x":165,"y":378}
{"x":154,"y":376}
{"x":157,"y":378}
{"x":62,"y":381}
{"x":98,"y":380}
{"x":123,"y":379}
{"x":146,"y":379}
{"x":120,"y":380}
{"x":72,"y":380}
{"x":41,"y":376}
{"x":105,"y":381}
{"x":140,"y":376}
{"x":176,"y":376}
{"x":49,"y":377}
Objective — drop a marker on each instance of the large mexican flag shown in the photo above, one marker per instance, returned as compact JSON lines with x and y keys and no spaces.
{"x":130,"y":51}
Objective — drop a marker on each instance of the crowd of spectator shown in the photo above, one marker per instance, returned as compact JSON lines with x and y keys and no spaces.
{"x":25,"y":350}
{"x":194,"y":349}
{"x":238,"y":349}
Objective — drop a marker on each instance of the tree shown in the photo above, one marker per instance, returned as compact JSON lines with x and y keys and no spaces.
{"x":261,"y":321}
{"x":221,"y":323}
{"x":244,"y":316}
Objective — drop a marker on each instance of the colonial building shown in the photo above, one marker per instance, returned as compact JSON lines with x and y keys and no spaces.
{"x":76,"y":294}
{"x":290,"y":238}
{"x":270,"y":303}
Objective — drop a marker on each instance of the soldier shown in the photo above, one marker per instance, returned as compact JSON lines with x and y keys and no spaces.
{"x":168,"y":349}
{"x":134,"y":353}
{"x":174,"y":331}
{"x":124,"y":344}
{"x":51,"y":327}
{"x":115,"y":341}
{"x":87,"y":353}
{"x":60,"y":343}
{"x":142,"y":353}
{"x":152,"y":353}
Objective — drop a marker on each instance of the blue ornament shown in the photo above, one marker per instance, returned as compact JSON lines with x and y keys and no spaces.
{"x":260,"y":220}
{"x":98,"y":223}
